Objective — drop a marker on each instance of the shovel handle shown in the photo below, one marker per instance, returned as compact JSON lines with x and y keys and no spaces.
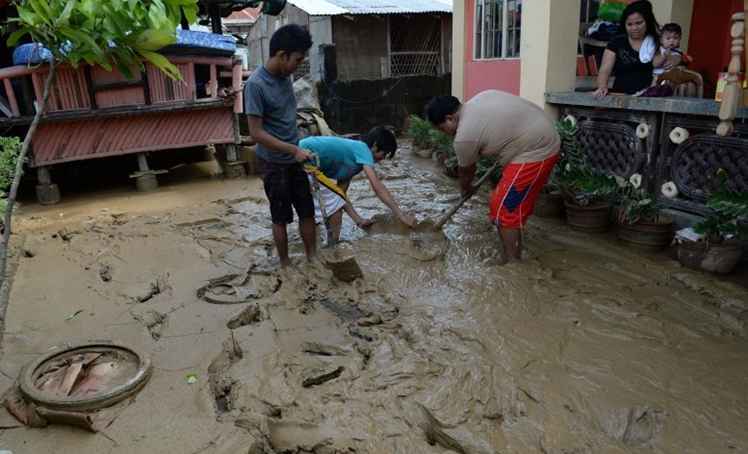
{"x":448,"y":215}
{"x":323,"y":211}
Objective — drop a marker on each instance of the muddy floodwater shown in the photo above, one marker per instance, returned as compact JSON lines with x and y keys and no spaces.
{"x":585,"y":347}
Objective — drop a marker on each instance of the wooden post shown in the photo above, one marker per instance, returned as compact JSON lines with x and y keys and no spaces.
{"x":142,"y":163}
{"x":11,"y":98}
{"x":191,"y":83}
{"x":734,"y":88}
{"x":213,"y":84}
{"x":236,"y":86}
{"x":42,"y":174}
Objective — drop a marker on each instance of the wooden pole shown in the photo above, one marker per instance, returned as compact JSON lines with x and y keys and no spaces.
{"x":11,"y":98}
{"x":236,"y":86}
{"x":5,"y":245}
{"x":734,"y":88}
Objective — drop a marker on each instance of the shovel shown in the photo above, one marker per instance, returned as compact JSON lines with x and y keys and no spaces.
{"x":448,"y":215}
{"x":320,"y":179}
{"x":428,"y":240}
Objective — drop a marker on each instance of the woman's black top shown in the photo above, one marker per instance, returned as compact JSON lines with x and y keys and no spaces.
{"x":631,"y":74}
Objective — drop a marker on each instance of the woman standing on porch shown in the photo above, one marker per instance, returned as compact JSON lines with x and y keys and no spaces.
{"x":631,"y":57}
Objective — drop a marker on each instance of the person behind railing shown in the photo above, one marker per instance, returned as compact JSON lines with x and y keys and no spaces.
{"x":670,"y":49}
{"x":632,"y":57}
{"x":665,"y":79}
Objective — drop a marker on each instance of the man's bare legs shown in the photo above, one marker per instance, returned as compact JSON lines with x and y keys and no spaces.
{"x":308,"y":230}
{"x":335,"y":222}
{"x":280,"y":237}
{"x":512,"y":240}
{"x":308,"y":235}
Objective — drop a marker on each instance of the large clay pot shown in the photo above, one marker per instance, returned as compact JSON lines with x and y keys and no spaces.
{"x":594,"y":218}
{"x":715,"y":258}
{"x":651,"y":236}
{"x":550,"y":204}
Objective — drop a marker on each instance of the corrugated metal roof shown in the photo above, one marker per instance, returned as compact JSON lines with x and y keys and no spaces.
{"x":339,"y":7}
{"x":247,"y":15}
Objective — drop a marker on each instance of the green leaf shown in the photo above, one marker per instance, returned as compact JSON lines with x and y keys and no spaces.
{"x":16,"y":35}
{"x":88,"y":8}
{"x":190,"y":12}
{"x":66,"y":13}
{"x":80,"y":39}
{"x":162,"y":63}
{"x":27,"y":17}
{"x":155,"y":39}
{"x":42,"y":10}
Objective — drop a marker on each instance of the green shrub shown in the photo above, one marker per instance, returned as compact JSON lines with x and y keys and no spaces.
{"x":420,"y":131}
{"x":729,"y":213}
{"x":10,"y":147}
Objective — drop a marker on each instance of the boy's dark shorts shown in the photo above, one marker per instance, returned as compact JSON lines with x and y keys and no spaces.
{"x":286,"y":186}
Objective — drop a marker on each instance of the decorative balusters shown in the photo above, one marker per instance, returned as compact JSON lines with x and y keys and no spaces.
{"x":734,"y":89}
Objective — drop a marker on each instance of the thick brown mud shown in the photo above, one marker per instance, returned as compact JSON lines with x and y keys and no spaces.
{"x":584,"y":347}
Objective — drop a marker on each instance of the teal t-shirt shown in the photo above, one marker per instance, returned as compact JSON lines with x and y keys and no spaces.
{"x":339,"y":159}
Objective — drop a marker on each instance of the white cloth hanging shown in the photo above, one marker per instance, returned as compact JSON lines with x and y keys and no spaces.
{"x":648,"y":49}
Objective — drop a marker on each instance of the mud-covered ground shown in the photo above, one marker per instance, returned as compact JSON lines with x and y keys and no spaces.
{"x":585,"y":347}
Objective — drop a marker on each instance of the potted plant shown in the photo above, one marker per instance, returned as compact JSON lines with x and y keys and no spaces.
{"x":550,"y":201}
{"x":587,"y":195}
{"x":586,"y":192}
{"x":421,"y":132}
{"x":719,"y":250}
{"x":640,"y":221}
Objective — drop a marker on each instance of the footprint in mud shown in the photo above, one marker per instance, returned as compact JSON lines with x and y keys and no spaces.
{"x":222,"y":385}
{"x":154,"y":321}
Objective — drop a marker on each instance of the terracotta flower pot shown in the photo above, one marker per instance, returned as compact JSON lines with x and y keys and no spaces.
{"x":550,"y":204}
{"x":715,"y":258}
{"x":651,"y":236}
{"x":594,"y":218}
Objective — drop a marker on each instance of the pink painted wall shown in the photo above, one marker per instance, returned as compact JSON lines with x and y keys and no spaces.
{"x":486,"y":74}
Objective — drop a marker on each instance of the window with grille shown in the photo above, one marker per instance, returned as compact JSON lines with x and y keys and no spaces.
{"x":498,"y":25}
{"x":415,"y":45}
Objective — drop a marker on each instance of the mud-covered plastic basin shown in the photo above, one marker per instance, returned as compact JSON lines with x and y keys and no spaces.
{"x":85,"y":377}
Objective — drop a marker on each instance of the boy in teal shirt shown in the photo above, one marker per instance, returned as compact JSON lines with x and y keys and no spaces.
{"x":342,"y":159}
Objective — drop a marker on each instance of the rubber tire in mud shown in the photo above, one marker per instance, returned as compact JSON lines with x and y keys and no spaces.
{"x":146,"y":183}
{"x":47,"y":194}
{"x":117,"y":394}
